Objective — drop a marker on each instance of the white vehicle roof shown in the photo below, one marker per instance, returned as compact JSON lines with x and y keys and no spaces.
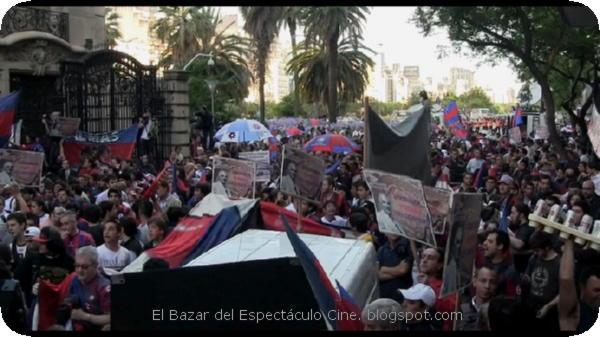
{"x":352,"y":263}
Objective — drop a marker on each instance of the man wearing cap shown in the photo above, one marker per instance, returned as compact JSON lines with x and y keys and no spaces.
{"x":418,"y":300}
{"x":506,"y":203}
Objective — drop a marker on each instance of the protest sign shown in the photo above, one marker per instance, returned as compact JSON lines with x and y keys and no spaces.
{"x":67,"y":126}
{"x":400,"y":205}
{"x":261,"y":158}
{"x":301,"y":174}
{"x":438,"y":203}
{"x":233,"y":178}
{"x":462,"y":242}
{"x":22,"y":167}
{"x":541,"y":130}
{"x":515,"y":135}
{"x":594,"y":130}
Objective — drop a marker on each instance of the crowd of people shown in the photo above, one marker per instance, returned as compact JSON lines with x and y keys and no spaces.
{"x":94,"y":218}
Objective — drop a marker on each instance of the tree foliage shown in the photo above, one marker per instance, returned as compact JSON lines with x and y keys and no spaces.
{"x":112,"y":28}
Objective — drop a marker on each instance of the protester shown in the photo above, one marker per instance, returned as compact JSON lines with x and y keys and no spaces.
{"x":484,"y":283}
{"x":418,"y":300}
{"x":382,"y":314}
{"x":112,"y":257}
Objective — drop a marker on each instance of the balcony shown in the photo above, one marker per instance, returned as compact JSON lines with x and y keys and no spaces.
{"x":21,"y":19}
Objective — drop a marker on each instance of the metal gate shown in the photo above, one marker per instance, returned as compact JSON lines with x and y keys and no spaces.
{"x":110,"y":90}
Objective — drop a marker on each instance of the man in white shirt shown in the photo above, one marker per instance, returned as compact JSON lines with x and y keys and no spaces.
{"x":113,"y":257}
{"x":475,"y":163}
{"x":165,"y":198}
{"x":331,"y":218}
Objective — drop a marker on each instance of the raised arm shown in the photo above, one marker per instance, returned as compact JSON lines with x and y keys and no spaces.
{"x":568,"y":304}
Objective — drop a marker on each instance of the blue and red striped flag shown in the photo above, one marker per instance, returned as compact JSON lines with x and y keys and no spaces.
{"x":178,"y":185}
{"x":327,"y":297}
{"x":518,"y":119}
{"x":8,"y":108}
{"x":453,"y":120}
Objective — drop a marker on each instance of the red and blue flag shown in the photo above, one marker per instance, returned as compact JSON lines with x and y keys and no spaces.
{"x":327,"y":297}
{"x":454,"y":122}
{"x":120,"y":143}
{"x":518,"y":119}
{"x":8,"y":108}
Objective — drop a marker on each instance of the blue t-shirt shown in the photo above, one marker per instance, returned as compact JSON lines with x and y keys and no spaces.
{"x":93,"y":298}
{"x":389,"y":256}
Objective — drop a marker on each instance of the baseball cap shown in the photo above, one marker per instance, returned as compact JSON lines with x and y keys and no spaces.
{"x":421,"y":292}
{"x":32,"y":232}
{"x":506,"y":179}
{"x":47,"y":234}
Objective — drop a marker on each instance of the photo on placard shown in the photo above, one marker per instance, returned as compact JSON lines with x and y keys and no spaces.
{"x":438,"y":203}
{"x":462,"y":242}
{"x":22,"y":167}
{"x":301,"y":174}
{"x":233,"y":178}
{"x":400,"y":206}
{"x":263,"y":167}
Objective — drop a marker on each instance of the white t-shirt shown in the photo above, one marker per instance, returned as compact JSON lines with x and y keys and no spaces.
{"x":146,"y":130}
{"x":143,"y":234}
{"x":118,"y":260}
{"x":474,"y":165}
{"x":337,"y":221}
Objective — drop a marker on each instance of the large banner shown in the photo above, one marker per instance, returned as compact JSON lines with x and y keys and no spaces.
{"x":301,"y":174}
{"x":438,"y":203}
{"x":67,"y":126}
{"x":462,"y":242}
{"x":263,"y":167}
{"x":22,"y":167}
{"x":401,"y":206}
{"x":233,"y":178}
{"x":119,"y":144}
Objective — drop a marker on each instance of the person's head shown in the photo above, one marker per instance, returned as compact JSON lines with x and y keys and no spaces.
{"x":382,"y":315}
{"x":163,"y":189}
{"x":484,"y":282}
{"x":157,"y":229}
{"x":129,"y":227}
{"x":362,"y":190}
{"x":490,"y":184}
{"x":108,"y":210}
{"x":327,"y":184}
{"x":519,"y":214}
{"x":16,"y":224}
{"x":62,"y":196}
{"x":222,"y":177}
{"x":50,"y":242}
{"x":542,"y":244}
{"x":467,"y":179}
{"x":291,"y":170}
{"x":432,"y":262}
{"x":114,"y":195}
{"x":529,"y":189}
{"x":496,"y":244}
{"x":68,"y":223}
{"x":155,"y":263}
{"x":86,"y":264}
{"x":359,"y":221}
{"x":8,"y":167}
{"x":580,"y":208}
{"x":545,"y":184}
{"x":330,"y":209}
{"x":418,"y":299}
{"x":32,"y":220}
{"x":145,"y":159}
{"x":385,"y":204}
{"x":112,"y":231}
{"x":144,"y":209}
{"x":65,"y":165}
{"x":38,"y":207}
{"x":589,"y":285}
{"x":477,"y":153}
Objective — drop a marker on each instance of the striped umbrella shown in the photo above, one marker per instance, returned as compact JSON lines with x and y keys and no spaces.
{"x":332,"y":143}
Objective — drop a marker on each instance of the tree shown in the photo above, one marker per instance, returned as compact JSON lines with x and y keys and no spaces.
{"x":291,"y":16}
{"x":112,"y":28}
{"x":312,"y":65}
{"x":262,"y":24}
{"x":179,"y":28}
{"x":530,"y":38}
{"x":475,"y":98}
{"x":325,"y":26}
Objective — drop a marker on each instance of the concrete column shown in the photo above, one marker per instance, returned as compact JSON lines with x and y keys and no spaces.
{"x":177,"y":105}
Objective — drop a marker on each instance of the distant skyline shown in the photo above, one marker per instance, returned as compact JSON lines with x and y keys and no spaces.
{"x":388,"y":29}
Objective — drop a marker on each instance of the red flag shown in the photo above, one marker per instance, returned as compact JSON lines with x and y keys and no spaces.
{"x":50,"y":298}
{"x":152,"y":189}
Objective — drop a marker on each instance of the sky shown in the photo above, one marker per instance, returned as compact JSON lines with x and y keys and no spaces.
{"x":388,"y":29}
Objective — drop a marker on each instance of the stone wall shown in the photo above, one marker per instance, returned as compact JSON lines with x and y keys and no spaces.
{"x":177,"y":105}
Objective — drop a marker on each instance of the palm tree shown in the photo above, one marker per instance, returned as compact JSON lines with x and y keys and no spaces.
{"x":312,"y":65}
{"x":178,"y":28}
{"x":262,"y":24}
{"x":291,"y":16}
{"x":326,"y":25}
{"x":112,"y":28}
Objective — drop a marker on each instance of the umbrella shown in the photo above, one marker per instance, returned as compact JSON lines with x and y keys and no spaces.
{"x":331,"y":143}
{"x":294,"y":132}
{"x":242,"y":130}
{"x":314,"y":122}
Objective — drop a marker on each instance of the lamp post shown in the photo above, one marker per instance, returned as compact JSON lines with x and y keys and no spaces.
{"x":212,"y":85}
